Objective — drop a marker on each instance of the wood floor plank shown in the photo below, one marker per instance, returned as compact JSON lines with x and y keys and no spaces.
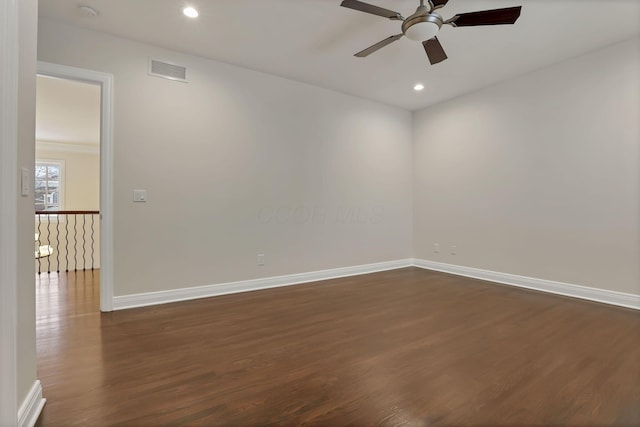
{"x":405,"y":347}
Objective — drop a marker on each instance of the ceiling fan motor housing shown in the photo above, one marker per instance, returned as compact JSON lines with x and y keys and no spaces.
{"x":422,"y":25}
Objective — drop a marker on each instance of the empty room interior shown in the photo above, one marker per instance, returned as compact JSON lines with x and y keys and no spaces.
{"x":277,"y":212}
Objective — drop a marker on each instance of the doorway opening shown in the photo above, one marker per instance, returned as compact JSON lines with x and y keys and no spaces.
{"x":73,"y":188}
{"x":67,"y":196}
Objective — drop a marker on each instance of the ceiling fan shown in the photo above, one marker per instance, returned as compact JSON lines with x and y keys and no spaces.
{"x":425,"y":23}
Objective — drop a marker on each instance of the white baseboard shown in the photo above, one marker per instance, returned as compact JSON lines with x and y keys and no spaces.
{"x":174,"y":295}
{"x":184,"y":294}
{"x":31,"y":406}
{"x":576,"y":291}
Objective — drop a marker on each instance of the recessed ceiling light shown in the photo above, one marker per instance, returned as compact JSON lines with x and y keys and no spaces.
{"x":418,"y":87}
{"x":191,"y":12}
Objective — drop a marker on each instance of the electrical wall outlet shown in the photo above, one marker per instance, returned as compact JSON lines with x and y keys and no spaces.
{"x":260,"y":259}
{"x":436,"y":248}
{"x":454,"y":250}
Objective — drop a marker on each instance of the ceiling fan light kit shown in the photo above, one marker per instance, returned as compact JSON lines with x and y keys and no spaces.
{"x":425,"y":23}
{"x":422,"y":27}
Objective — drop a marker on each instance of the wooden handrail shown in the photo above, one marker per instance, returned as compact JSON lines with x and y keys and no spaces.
{"x":67,"y":212}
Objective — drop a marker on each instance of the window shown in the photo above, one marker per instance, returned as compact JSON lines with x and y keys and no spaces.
{"x":48,"y":185}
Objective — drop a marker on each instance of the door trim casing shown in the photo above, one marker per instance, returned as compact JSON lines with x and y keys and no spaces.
{"x":9,"y":218}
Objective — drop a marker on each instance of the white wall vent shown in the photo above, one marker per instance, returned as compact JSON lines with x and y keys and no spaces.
{"x":167,"y":70}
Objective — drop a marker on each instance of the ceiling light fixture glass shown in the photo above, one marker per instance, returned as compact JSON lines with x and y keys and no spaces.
{"x":418,"y":87}
{"x":422,"y":25}
{"x":422,"y":31}
{"x":191,"y":12}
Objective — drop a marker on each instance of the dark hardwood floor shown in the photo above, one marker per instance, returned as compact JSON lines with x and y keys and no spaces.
{"x":406,"y":347}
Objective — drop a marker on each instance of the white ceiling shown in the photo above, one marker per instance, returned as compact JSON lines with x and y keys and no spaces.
{"x":67,"y":111}
{"x":314,"y":41}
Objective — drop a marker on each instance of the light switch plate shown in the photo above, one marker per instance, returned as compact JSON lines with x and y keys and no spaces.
{"x":140,"y":196}
{"x":25,"y":181}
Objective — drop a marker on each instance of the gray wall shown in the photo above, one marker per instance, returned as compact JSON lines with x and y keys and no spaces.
{"x":537,"y":176}
{"x":238,"y":163}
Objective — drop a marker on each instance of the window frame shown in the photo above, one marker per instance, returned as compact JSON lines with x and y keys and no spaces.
{"x":60,"y":163}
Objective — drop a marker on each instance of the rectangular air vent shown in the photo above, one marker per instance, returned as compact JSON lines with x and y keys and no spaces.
{"x":167,"y":70}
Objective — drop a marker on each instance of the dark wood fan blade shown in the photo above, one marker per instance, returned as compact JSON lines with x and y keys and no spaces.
{"x":437,"y":4}
{"x":507,"y":15}
{"x":434,"y":50}
{"x":368,"y":51}
{"x":369,"y":8}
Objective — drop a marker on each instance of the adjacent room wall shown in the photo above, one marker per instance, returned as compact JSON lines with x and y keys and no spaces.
{"x":81,"y":173}
{"x":537,"y":176}
{"x":80,"y":192}
{"x":239,"y":163}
